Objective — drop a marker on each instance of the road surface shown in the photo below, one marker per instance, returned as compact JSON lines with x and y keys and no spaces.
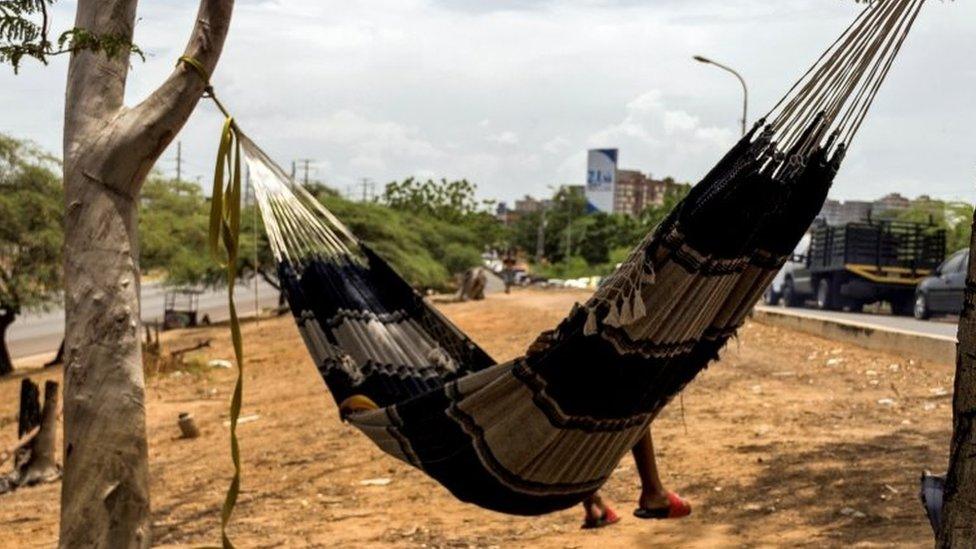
{"x":938,"y":326}
{"x":37,"y":333}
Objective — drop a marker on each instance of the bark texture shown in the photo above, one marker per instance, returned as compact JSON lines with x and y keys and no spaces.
{"x":108,"y":150}
{"x":958,"y":527}
{"x":6,"y":319}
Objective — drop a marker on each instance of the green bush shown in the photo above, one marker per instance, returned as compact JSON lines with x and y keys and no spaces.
{"x":426,"y":252}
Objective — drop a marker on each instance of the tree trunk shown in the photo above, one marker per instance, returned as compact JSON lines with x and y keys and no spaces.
{"x":58,"y":358}
{"x":108,"y":150}
{"x":6,"y":364}
{"x":958,"y":528}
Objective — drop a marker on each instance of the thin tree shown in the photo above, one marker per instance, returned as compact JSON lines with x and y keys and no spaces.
{"x":958,"y":528}
{"x":108,"y":151}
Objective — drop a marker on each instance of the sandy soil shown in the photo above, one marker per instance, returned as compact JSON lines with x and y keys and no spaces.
{"x":789,"y":440}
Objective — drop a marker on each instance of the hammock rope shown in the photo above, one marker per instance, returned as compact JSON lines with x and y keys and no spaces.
{"x":542,"y":432}
{"x":225,"y":231}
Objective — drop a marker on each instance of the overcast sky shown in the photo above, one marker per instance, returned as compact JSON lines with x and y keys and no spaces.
{"x":511,"y":93}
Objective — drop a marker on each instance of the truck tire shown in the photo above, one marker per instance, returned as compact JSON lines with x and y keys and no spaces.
{"x":771,"y":297}
{"x":826,"y":295}
{"x":921,"y":308}
{"x":903,"y":305}
{"x":789,"y":294}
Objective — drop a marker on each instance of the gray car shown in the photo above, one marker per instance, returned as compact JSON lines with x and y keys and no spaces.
{"x":775,"y":292}
{"x":942,"y":293}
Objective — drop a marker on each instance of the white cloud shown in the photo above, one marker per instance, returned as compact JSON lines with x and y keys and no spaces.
{"x":389,"y":88}
{"x":504,"y":138}
{"x":556,"y":145}
{"x":665,"y":141}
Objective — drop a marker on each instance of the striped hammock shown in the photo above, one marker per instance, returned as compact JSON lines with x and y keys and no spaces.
{"x":542,"y":432}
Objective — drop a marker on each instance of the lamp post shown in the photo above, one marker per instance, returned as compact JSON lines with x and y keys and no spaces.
{"x":745,"y":90}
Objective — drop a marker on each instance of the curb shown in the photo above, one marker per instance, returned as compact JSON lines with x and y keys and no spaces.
{"x":931,"y":348}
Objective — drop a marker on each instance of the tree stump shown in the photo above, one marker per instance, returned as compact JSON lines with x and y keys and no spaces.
{"x":30,"y":408}
{"x":34,"y":457}
{"x":473,"y":284}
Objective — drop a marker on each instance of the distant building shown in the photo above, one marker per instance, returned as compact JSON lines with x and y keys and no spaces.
{"x":835,"y":212}
{"x":530,"y":205}
{"x":636,"y":192}
{"x":523,"y":206}
{"x":893,"y":202}
{"x":501,"y":212}
{"x":629,"y":192}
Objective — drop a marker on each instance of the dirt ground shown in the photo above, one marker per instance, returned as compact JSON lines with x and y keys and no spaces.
{"x":789,"y":440}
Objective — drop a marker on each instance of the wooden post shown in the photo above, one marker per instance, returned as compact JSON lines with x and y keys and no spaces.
{"x":30,"y":407}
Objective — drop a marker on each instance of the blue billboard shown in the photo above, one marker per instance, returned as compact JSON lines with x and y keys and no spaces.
{"x":601,"y":179}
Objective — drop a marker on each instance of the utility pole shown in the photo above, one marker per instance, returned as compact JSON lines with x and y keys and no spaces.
{"x":569,"y":234}
{"x":540,"y":237}
{"x":305,"y":162}
{"x":179,"y":161}
{"x":369,"y":188}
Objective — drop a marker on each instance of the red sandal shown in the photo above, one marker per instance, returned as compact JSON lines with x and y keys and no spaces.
{"x":677,"y":508}
{"x":609,"y":517}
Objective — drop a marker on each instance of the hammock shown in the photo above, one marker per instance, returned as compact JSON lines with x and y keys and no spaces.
{"x":542,"y":432}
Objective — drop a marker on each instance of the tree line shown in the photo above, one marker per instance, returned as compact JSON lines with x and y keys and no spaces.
{"x":429,"y":230}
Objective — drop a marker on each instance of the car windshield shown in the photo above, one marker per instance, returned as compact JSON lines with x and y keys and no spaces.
{"x":955,"y":263}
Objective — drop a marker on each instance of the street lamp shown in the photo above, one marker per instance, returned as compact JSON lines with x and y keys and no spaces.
{"x":745,"y":90}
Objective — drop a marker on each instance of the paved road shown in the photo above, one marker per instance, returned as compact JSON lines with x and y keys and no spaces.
{"x":938,"y":326}
{"x":38,"y":333}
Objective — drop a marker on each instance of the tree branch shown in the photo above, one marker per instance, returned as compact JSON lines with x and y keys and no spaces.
{"x":160,"y":116}
{"x":95,"y":80}
{"x":10,"y":452}
{"x":273,"y":282}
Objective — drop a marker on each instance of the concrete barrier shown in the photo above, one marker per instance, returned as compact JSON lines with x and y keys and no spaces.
{"x":934,"y":348}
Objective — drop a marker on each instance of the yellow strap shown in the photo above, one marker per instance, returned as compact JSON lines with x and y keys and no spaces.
{"x":225,"y":228}
{"x":197,"y":66}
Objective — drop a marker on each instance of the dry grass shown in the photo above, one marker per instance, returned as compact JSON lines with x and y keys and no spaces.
{"x":770,"y":445}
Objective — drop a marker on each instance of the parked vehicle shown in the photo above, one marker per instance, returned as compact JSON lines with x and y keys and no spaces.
{"x":942,"y":293}
{"x":851,"y":265}
{"x":774,"y":294}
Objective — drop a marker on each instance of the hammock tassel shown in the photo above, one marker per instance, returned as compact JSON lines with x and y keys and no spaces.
{"x":627,"y":312}
{"x":613,"y":317}
{"x":590,"y":328}
{"x":637,"y":305}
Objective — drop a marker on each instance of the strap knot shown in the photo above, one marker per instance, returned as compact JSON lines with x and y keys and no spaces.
{"x":198,"y":67}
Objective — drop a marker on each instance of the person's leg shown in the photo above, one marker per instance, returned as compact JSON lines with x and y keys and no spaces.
{"x":594,"y":507}
{"x":598,"y":513}
{"x":653,"y":495}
